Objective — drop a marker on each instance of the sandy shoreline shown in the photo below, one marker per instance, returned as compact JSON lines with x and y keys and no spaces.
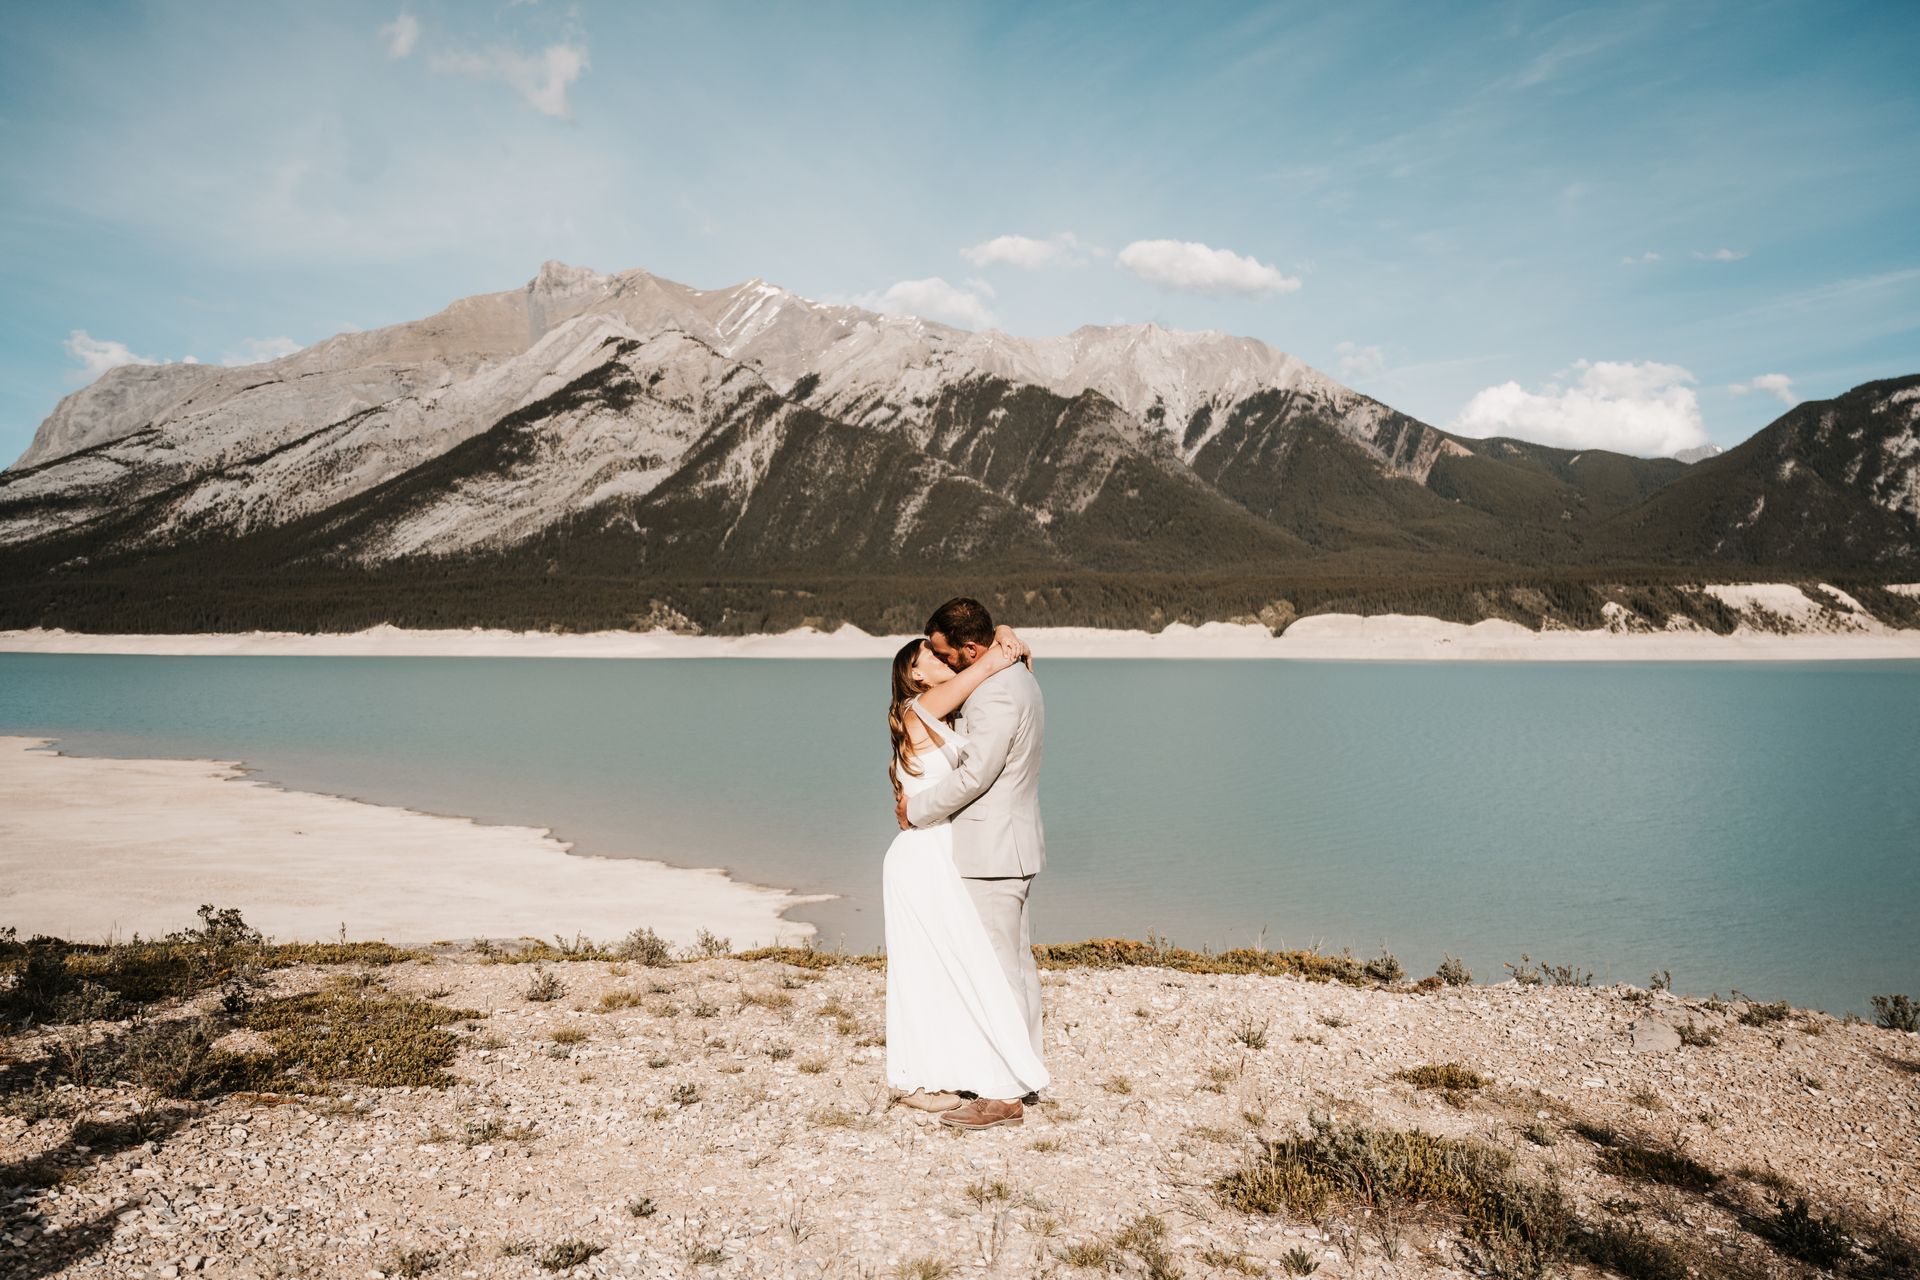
{"x":92,"y":848}
{"x":1326,"y":637}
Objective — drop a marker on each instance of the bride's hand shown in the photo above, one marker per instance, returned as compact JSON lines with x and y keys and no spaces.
{"x":1010,"y":645}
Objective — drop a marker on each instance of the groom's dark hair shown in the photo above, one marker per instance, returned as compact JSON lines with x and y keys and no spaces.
{"x":962,"y":620}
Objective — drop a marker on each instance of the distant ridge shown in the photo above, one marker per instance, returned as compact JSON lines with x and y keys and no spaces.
{"x":587,"y":446}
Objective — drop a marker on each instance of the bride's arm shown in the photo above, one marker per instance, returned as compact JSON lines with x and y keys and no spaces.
{"x":944,"y":699}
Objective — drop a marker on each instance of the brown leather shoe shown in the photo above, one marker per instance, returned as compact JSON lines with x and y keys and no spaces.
{"x":984,"y":1113}
{"x":921,"y":1100}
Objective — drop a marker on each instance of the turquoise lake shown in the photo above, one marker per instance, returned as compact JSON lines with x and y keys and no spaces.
{"x":1749,"y":826}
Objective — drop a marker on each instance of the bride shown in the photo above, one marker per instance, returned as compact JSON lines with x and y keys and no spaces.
{"x":952,"y":1020}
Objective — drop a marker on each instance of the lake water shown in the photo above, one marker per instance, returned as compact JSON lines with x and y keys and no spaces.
{"x":1744,"y":825}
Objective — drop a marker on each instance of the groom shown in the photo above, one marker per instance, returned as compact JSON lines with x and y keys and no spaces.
{"x":993,"y":797}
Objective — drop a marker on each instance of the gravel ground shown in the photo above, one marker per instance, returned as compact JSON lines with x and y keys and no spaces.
{"x":732,"y":1123}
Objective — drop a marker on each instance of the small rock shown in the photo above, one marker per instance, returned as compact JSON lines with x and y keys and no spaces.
{"x":1650,"y":1035}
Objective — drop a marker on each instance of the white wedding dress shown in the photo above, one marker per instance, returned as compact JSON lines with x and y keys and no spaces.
{"x":952,"y":1021}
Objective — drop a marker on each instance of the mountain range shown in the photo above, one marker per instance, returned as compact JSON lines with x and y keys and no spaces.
{"x":591,"y":449}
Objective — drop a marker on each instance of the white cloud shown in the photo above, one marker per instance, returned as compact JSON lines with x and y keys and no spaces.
{"x":97,"y":355}
{"x":401,"y":35}
{"x":1631,"y":261}
{"x":1642,"y":408}
{"x":1196,"y":268}
{"x":1025,"y":251}
{"x":260,"y":350}
{"x":1720,"y":255}
{"x":1358,"y":362}
{"x":1777,"y":385}
{"x":932,"y":298}
{"x":1014,"y":251}
{"x":542,"y":79}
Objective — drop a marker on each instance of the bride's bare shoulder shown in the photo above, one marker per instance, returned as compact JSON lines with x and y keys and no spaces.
{"x":918,"y":734}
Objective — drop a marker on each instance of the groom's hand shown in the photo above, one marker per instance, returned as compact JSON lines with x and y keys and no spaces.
{"x":900,"y":812}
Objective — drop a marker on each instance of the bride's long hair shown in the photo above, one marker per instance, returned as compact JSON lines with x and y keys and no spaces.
{"x":906,"y":687}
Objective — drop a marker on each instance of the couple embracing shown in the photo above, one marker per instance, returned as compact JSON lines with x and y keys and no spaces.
{"x":963,"y":992}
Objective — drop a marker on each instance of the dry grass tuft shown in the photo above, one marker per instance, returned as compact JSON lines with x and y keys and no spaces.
{"x":1514,"y":1226}
{"x":1121,"y":953}
{"x":1093,"y":1255}
{"x":1644,"y":1160}
{"x":1232,"y":1260}
{"x":986,"y":1193}
{"x":766,"y":999}
{"x":810,"y":958}
{"x":1629,"y":1251}
{"x":836,"y":1118}
{"x":623,"y":998}
{"x":1443,"y":1075}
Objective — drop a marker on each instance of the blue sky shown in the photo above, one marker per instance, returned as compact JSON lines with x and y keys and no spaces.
{"x":1627,"y":225}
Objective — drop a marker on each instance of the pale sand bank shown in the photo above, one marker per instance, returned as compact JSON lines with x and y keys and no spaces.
{"x":94,"y":847}
{"x":1324,"y":637}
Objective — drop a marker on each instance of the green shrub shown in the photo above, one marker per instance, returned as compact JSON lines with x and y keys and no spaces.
{"x":177,"y":1060}
{"x":334,"y":1036}
{"x":1810,"y":1237}
{"x":644,"y":946}
{"x":1384,"y":968}
{"x":59,"y":982}
{"x":1896,"y":1013}
{"x":1454,"y":972}
{"x":1119,"y":953}
{"x":1765,"y":1015}
{"x":1629,"y":1251}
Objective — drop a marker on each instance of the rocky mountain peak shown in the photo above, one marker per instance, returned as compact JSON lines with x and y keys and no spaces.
{"x":646,"y":427}
{"x":555,"y":276}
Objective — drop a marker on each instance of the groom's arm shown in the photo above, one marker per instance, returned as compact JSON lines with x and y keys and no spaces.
{"x":991,"y":717}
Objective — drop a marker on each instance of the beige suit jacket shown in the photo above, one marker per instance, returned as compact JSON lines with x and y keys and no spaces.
{"x":993,"y":794}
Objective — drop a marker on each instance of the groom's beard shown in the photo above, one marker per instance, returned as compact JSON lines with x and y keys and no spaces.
{"x":952,"y":655}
